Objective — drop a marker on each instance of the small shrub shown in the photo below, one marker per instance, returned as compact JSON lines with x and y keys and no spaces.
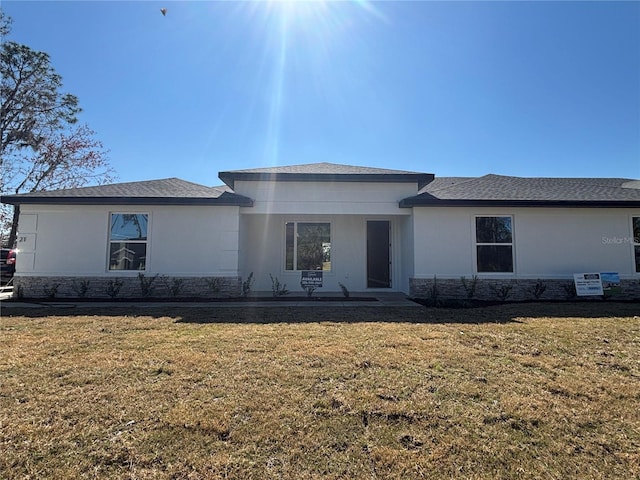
{"x":81,"y":288}
{"x":470,"y":286}
{"x":309,"y":289}
{"x":570,"y":290}
{"x":538,"y":289}
{"x":345,"y":290}
{"x":51,"y":291}
{"x":214,"y":284}
{"x":434,"y":293}
{"x":277,"y":288}
{"x":174,"y":286}
{"x":247,"y":284}
{"x":501,"y":291}
{"x":146,"y":284}
{"x":113,"y":287}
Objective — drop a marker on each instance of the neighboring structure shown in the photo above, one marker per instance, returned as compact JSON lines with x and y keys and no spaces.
{"x":367,"y":229}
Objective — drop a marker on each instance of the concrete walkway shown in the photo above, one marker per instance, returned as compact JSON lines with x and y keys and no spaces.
{"x":379,"y":299}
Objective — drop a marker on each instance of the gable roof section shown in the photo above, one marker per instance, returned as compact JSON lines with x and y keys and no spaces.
{"x":169,"y":191}
{"x":520,"y":191}
{"x":325,"y":172}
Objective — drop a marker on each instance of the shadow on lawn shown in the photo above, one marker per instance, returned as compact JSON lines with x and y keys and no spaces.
{"x":505,"y":313}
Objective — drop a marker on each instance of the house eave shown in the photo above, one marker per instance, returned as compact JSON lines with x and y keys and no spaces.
{"x":418,"y":202}
{"x":223,"y":200}
{"x":422,"y":179}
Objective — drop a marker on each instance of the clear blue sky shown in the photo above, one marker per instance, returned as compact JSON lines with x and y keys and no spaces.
{"x":450,"y":88}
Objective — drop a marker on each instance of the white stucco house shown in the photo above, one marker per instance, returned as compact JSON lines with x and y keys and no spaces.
{"x":367,"y":229}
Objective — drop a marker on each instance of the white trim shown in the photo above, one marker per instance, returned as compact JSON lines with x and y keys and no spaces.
{"x":146,"y":242}
{"x":475,"y":244}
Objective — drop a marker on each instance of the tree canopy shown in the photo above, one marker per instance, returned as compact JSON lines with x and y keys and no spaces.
{"x":42,"y":146}
{"x":32,"y":104}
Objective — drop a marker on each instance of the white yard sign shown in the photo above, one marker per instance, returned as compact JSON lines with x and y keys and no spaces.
{"x":588,"y":284}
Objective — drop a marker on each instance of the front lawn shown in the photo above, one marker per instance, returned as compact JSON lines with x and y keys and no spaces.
{"x":513,"y":391}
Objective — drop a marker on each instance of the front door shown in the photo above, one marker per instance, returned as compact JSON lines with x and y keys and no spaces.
{"x":378,"y":254}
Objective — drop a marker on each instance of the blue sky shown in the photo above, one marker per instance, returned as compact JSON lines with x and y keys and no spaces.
{"x":450,"y":88}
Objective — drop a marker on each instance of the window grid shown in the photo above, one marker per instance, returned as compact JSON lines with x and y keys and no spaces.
{"x":494,"y":244}
{"x":128,"y":234}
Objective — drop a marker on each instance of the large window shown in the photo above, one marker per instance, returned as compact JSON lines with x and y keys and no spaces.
{"x":128,"y":241}
{"x":307,"y":246}
{"x":494,"y":244}
{"x":635,"y":225}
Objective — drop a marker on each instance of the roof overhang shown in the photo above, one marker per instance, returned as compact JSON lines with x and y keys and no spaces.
{"x":422,"y":179}
{"x":226,"y":199}
{"x":433,"y":202}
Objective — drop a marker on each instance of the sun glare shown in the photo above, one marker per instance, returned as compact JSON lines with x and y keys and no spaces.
{"x":301,"y":37}
{"x":314,"y":13}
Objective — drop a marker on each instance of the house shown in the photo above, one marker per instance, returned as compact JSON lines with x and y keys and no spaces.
{"x":367,"y":229}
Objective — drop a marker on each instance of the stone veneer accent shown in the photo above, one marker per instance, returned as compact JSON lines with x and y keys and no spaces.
{"x":520,"y":289}
{"x":97,"y":287}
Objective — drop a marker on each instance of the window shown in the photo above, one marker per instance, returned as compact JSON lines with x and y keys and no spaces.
{"x":635,"y":225}
{"x":494,"y":244}
{"x":128,"y":241}
{"x":307,"y":246}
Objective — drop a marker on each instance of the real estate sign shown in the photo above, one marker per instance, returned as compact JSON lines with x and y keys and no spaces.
{"x":588,"y":284}
{"x":611,"y":283}
{"x":311,"y":278}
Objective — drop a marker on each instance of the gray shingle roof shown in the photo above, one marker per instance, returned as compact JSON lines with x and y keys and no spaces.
{"x":325,"y":172}
{"x":504,"y":189}
{"x":166,"y":191}
{"x":442,"y":191}
{"x":325,"y":167}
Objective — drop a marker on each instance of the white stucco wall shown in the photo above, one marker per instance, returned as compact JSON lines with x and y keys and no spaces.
{"x":326,"y":197}
{"x":229,"y":241}
{"x":548,"y":242}
{"x":263,"y":247}
{"x":406,"y":257}
{"x":346,"y":205}
{"x":182,"y":240}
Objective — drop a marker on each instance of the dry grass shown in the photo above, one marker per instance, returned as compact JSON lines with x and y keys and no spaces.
{"x":533,"y":391}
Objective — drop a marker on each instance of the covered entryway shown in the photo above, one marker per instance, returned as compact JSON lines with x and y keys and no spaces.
{"x":378,"y":254}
